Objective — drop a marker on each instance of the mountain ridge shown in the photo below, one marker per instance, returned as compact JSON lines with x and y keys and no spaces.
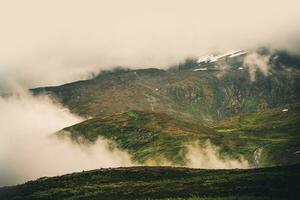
{"x":198,"y":95}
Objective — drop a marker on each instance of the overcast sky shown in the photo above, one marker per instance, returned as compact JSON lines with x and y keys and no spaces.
{"x":48,"y":42}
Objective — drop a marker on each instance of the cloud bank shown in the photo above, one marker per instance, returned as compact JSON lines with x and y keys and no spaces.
{"x":207,"y":156}
{"x":254,"y":62}
{"x":27,"y":151}
{"x":52,"y":42}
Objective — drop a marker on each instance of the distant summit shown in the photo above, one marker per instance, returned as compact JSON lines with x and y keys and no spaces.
{"x":230,"y":59}
{"x":214,"y":58}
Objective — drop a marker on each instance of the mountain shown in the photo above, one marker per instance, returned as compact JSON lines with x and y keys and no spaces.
{"x":154,"y":114}
{"x":275,"y":183}
{"x":207,"y":96}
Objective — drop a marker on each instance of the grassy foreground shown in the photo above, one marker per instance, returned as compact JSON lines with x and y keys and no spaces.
{"x":164,"y":183}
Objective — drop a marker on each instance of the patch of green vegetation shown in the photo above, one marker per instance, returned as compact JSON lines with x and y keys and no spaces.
{"x":274,"y":131}
{"x":164,"y":183}
{"x":133,"y":115}
{"x":268,"y":119}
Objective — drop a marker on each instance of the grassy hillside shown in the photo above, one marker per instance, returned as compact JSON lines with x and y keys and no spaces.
{"x":149,"y":136}
{"x":164,"y":183}
{"x":266,"y":138}
{"x":282,"y":118}
{"x":277,"y":133}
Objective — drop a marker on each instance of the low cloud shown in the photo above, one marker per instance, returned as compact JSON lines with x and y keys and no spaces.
{"x":206,"y":155}
{"x":254,"y":62}
{"x":27,"y":150}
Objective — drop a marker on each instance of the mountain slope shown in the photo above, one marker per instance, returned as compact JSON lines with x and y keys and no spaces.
{"x":150,"y":137}
{"x":267,"y":138}
{"x":155,"y":113}
{"x":285,"y":118}
{"x":164,"y":183}
{"x":206,"y":96}
{"x":277,"y":132}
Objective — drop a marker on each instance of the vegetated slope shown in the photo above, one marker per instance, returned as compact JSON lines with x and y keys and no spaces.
{"x":152,"y":138}
{"x":206,"y":96}
{"x":267,"y":138}
{"x":276,"y":133}
{"x":285,"y":118}
{"x":164,"y":183}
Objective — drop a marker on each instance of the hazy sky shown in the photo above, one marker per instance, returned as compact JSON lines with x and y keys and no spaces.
{"x":46,"y":42}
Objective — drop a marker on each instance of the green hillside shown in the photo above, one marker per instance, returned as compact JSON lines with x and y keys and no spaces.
{"x":266,"y":138}
{"x":275,"y":183}
{"x":277,"y":133}
{"x":148,"y":136}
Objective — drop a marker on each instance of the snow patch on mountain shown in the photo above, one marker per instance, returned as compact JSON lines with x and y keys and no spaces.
{"x":214,"y":58}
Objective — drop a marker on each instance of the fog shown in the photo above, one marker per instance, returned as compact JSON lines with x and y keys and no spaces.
{"x":206,"y":155}
{"x":53,"y":42}
{"x":254,"y":62}
{"x":27,"y":150}
{"x":30,"y":149}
